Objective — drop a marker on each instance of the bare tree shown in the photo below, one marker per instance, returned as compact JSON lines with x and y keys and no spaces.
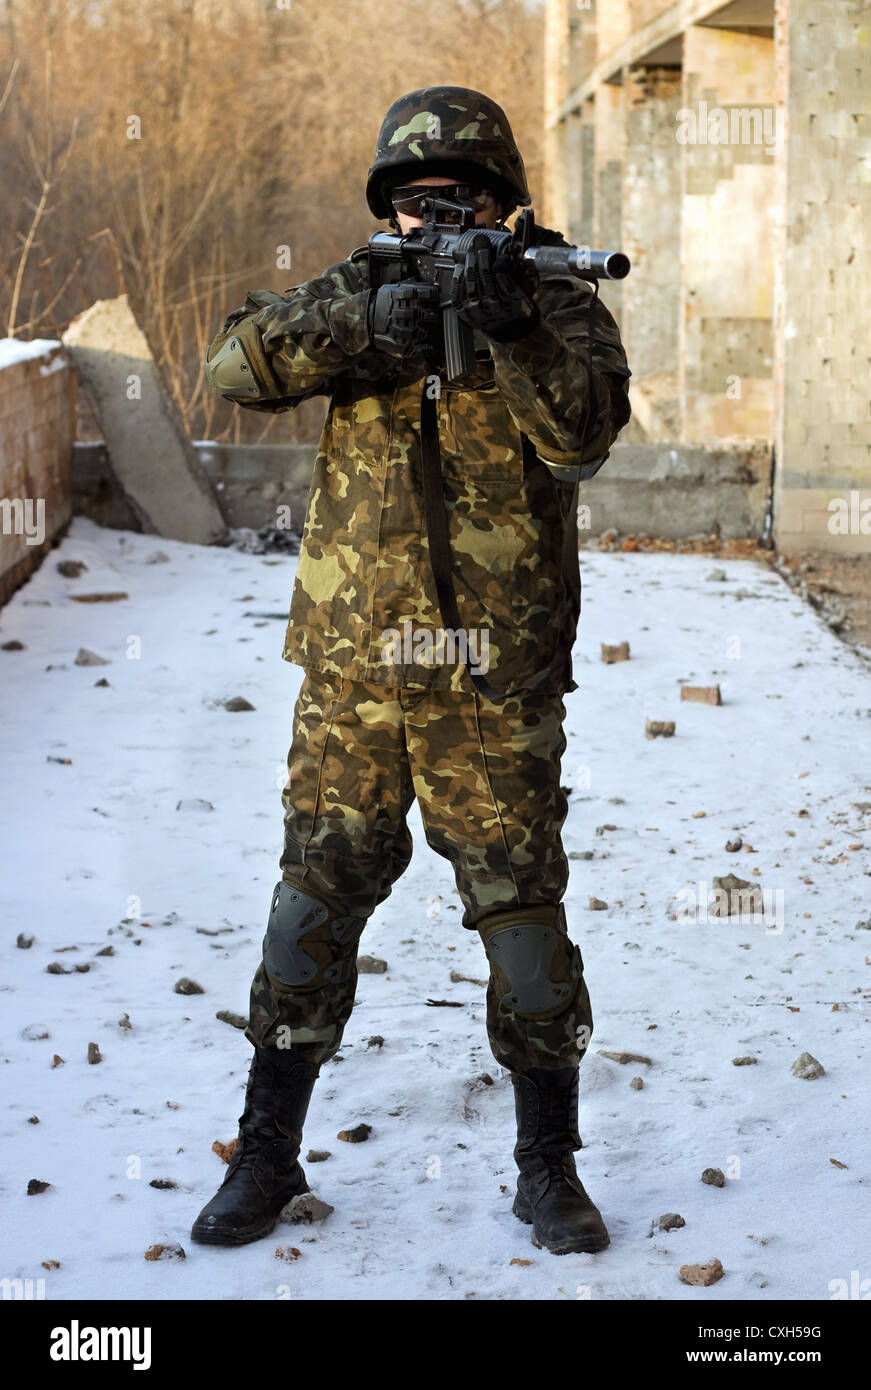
{"x":206,"y":143}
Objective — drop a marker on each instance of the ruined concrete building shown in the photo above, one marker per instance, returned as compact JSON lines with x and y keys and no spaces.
{"x":727,"y":150}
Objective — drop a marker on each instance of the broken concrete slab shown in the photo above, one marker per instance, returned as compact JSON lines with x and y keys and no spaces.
{"x":152,"y":457}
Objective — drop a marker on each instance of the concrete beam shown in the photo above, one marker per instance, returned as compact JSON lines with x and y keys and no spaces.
{"x":152,"y":457}
{"x":641,"y":43}
{"x":745,"y":16}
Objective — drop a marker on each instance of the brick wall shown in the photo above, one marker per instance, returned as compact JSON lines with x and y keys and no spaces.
{"x":37,"y":427}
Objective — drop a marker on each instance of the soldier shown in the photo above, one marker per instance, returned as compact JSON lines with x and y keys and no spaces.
{"x":378,"y":722}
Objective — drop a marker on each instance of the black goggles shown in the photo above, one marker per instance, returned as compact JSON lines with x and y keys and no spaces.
{"x":408,"y":199}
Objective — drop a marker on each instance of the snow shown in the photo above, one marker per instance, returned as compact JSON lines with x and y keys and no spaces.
{"x":14,"y":350}
{"x":83,"y":842}
{"x":57,"y":364}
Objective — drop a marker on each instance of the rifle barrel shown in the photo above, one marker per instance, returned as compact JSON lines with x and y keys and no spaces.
{"x":581,"y":261}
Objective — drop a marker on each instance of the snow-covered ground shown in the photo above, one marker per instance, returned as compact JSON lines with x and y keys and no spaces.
{"x":92,"y":779}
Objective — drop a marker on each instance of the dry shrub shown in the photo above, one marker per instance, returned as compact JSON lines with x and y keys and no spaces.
{"x":257,"y":122}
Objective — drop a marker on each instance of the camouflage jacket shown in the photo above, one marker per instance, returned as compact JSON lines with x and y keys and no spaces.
{"x":364,"y":602}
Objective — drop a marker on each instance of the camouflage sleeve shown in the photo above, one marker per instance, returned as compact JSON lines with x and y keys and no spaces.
{"x":543,"y":379}
{"x":303,"y":338}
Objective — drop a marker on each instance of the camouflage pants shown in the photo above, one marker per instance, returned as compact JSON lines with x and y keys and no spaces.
{"x":487,"y":779}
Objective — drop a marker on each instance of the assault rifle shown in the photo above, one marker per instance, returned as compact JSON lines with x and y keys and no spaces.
{"x":434,"y":252}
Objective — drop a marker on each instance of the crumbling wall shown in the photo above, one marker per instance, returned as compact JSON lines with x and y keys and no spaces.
{"x":37,"y":426}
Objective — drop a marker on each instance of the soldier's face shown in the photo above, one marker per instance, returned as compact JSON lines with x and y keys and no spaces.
{"x":488,"y":217}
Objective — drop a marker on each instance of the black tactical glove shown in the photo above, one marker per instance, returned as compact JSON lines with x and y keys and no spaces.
{"x":404,"y":320}
{"x":492,"y":290}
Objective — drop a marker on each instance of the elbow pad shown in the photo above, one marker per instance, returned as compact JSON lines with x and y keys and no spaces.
{"x":239,"y":369}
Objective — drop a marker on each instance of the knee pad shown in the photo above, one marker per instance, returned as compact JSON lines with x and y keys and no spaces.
{"x":307,"y":945}
{"x":534,"y":967}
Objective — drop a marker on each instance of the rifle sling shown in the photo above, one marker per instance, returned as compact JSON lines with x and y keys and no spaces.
{"x":438,"y":534}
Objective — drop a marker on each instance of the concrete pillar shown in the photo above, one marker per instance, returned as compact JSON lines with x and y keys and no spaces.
{"x":613,"y":24}
{"x":574,"y":227}
{"x":823,"y":283}
{"x":609,"y":156}
{"x":553,"y":211}
{"x":588,"y":170}
{"x":583,"y":38}
{"x":652,"y":223}
{"x":728,"y":133}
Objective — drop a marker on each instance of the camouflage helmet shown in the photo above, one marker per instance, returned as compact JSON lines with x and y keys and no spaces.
{"x":438,"y":129}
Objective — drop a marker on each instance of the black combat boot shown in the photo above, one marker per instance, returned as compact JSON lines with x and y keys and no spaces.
{"x":550,"y":1195}
{"x":264,"y":1173}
